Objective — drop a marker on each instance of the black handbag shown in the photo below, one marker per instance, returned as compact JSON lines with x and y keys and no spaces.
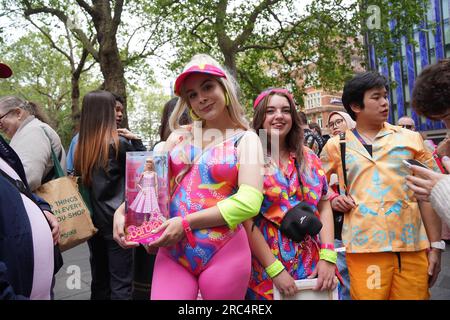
{"x":300,"y":221}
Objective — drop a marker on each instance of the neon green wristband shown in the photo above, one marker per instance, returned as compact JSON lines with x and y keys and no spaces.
{"x":275,"y":269}
{"x":328,"y":255}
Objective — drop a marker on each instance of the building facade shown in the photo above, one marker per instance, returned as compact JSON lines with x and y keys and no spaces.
{"x":318,"y":104}
{"x":432,"y":39}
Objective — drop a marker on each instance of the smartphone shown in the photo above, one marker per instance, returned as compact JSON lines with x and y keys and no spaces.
{"x":410,"y":162}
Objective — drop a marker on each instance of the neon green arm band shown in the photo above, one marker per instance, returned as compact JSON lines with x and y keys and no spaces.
{"x":241,"y":206}
{"x":275,"y":269}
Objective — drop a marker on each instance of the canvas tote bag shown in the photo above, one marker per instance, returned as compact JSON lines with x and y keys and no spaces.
{"x":69,"y":208}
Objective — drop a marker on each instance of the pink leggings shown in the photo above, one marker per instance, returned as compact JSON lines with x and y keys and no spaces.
{"x":225,"y":277}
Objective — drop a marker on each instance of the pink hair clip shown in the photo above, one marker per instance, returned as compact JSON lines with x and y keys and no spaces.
{"x":265,"y":93}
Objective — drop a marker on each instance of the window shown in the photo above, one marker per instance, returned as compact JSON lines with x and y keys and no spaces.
{"x":446,"y":26}
{"x":407,"y":93}
{"x":404,"y":66}
{"x":313,"y":100}
{"x":431,"y":40}
{"x":417,"y":53}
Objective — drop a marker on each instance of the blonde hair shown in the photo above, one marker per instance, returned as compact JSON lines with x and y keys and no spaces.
{"x":229,"y":86}
{"x":149,"y":162}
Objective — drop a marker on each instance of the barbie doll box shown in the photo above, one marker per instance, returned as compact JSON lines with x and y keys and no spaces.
{"x":146,"y":195}
{"x":305,"y":292}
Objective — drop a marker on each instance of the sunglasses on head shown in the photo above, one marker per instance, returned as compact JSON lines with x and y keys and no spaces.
{"x":407,"y":126}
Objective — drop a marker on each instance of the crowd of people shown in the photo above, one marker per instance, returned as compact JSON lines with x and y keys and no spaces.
{"x":254,"y":205}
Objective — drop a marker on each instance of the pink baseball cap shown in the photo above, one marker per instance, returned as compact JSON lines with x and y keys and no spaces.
{"x":265,"y":93}
{"x":201,"y":68}
{"x":5,"y":71}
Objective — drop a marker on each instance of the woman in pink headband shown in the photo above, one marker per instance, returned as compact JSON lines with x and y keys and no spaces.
{"x":278,"y":258}
{"x":216,"y":183}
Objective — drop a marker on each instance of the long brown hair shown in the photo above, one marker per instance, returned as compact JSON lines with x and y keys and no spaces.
{"x":97,"y":131}
{"x":294,"y":138}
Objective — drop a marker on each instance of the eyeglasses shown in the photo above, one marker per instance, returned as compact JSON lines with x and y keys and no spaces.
{"x":407,"y":126}
{"x":1,"y":118}
{"x":337,"y":123}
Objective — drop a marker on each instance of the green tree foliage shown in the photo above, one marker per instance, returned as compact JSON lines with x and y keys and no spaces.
{"x":146,"y":115}
{"x":267,"y":42}
{"x":42,"y":75}
{"x":263,"y":43}
{"x":271,"y":42}
{"x":386,"y":22}
{"x":117,"y":34}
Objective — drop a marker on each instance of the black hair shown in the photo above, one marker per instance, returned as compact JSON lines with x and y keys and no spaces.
{"x":430,"y":96}
{"x":164,"y":129}
{"x":356,"y":87}
{"x":315,"y":125}
{"x":303,"y":119}
{"x":118,"y":98}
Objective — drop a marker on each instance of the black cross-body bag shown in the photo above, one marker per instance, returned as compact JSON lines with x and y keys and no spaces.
{"x":300,"y":221}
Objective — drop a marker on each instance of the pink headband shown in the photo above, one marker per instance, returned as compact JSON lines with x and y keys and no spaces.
{"x":202,"y":68}
{"x":265,"y":93}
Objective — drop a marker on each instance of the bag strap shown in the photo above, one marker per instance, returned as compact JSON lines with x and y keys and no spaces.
{"x":342,"y":145}
{"x":58,"y":170}
{"x":299,"y":177}
{"x":20,"y":186}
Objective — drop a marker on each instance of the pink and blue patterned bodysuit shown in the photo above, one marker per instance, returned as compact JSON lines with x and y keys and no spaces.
{"x":212,"y":178}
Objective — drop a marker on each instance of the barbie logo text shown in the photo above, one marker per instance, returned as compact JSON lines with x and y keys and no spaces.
{"x":144,"y":231}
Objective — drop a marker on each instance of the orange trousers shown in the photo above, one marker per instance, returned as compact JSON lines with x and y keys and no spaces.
{"x":388,"y":275}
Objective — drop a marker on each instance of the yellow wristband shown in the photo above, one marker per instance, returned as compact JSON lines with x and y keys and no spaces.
{"x":328,"y":255}
{"x":275,"y":268}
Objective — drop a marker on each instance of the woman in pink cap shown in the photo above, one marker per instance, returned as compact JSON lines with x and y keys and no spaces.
{"x":216,"y":184}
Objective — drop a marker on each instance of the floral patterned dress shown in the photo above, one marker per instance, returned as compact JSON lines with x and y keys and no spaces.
{"x":282,"y":192}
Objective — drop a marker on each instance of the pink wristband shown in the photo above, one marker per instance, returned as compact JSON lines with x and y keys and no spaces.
{"x":188,"y":231}
{"x":329,"y":246}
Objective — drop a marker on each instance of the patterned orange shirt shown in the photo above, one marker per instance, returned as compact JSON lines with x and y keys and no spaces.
{"x":387,"y":216}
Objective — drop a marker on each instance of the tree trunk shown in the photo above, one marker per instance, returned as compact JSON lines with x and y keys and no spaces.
{"x":75,"y":96}
{"x":110,"y":63}
{"x":230,"y":62}
{"x":113,"y":71}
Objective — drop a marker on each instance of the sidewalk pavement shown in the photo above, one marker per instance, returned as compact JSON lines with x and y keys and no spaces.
{"x":76,"y":262}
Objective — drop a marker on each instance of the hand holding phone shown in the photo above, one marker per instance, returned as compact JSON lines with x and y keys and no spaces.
{"x":411,"y":162}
